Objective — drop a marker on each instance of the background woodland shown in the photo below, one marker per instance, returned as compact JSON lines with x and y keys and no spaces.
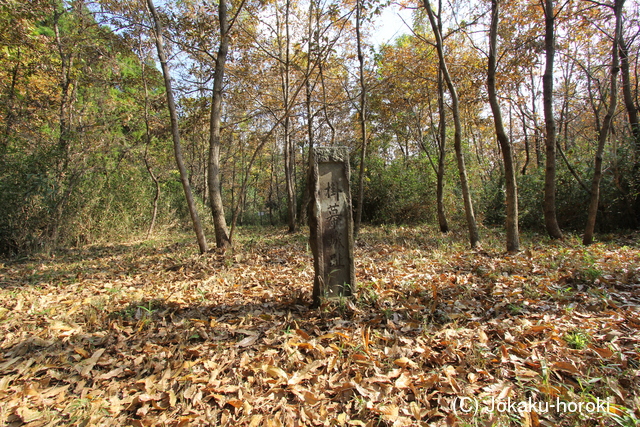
{"x":87,"y":146}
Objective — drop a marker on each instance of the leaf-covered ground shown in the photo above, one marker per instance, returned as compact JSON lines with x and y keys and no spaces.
{"x":151,"y":333}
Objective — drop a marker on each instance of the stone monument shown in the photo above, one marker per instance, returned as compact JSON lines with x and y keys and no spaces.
{"x":331,"y":223}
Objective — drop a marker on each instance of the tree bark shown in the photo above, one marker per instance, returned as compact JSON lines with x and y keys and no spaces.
{"x":156,"y":195}
{"x":10,"y":115}
{"x":175,"y":132}
{"x":363,"y":119}
{"x":550,"y":220}
{"x":513,"y":238}
{"x":632,"y":112}
{"x":457,"y":139}
{"x":592,"y":212}
{"x":527,"y":150}
{"x":442,"y":142}
{"x":630,"y":105}
{"x":147,"y":127}
{"x":213,"y":178}
{"x":534,"y":116}
{"x":289,"y":148}
{"x":313,"y":42}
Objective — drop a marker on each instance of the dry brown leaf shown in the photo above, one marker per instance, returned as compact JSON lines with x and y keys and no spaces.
{"x":111,"y":374}
{"x":275,"y":372}
{"x":405,"y":362}
{"x":28,"y":415}
{"x":605,"y":353}
{"x":235,"y":403}
{"x":415,"y":410}
{"x":81,"y":351}
{"x":256,"y":420}
{"x":566,"y":367}
{"x":88,"y":365}
{"x":310,"y":398}
{"x":403,"y":381}
{"x":248,"y":341}
{"x":305,"y":336}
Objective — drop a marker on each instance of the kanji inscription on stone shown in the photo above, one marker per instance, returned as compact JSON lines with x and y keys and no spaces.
{"x":331,"y":223}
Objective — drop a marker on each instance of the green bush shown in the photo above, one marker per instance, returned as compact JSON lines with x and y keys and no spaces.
{"x":572,"y":201}
{"x":401,"y":192}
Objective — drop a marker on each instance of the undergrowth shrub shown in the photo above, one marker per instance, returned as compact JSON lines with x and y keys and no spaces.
{"x":400,"y":192}
{"x":572,"y":200}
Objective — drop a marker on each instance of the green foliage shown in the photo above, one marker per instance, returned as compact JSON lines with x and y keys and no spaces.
{"x":26,"y":203}
{"x":401,"y":192}
{"x":70,"y":168}
{"x":572,"y":200}
{"x":577,"y":339}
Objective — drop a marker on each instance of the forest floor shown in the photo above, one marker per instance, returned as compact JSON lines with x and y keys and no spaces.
{"x":151,"y":333}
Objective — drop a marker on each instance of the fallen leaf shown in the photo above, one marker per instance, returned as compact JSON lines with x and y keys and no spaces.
{"x":275,"y":372}
{"x":248,"y":341}
{"x":566,"y":367}
{"x":88,"y":365}
{"x":405,"y":362}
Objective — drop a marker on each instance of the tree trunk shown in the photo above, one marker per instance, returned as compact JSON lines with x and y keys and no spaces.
{"x":534,"y":116}
{"x":215,"y":188}
{"x":175,"y":132}
{"x":289,"y":148}
{"x":550,"y":219}
{"x":527,"y":150}
{"x":147,"y":128}
{"x":64,"y":125}
{"x":156,"y":195}
{"x":442,"y":143}
{"x":10,"y":115}
{"x":309,"y":88}
{"x":632,"y":112}
{"x":513,"y":238}
{"x":289,"y":172}
{"x":363,"y":119}
{"x":629,"y":103}
{"x":457,"y":139}
{"x":606,"y":126}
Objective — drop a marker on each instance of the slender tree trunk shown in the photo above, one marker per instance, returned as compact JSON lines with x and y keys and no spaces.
{"x":363,"y":118}
{"x":175,"y":132}
{"x":215,"y":187}
{"x":10,"y":115}
{"x":156,"y":194}
{"x":64,"y":122}
{"x":305,"y":192}
{"x":513,"y":238}
{"x":154,"y":178}
{"x":534,"y":116}
{"x":632,"y":112}
{"x":325,"y":110}
{"x":606,"y":127}
{"x":527,"y":150}
{"x":629,"y":103}
{"x":309,"y":112}
{"x":442,"y":142}
{"x":289,"y":147}
{"x":457,"y":139}
{"x":550,"y":219}
{"x":289,"y":171}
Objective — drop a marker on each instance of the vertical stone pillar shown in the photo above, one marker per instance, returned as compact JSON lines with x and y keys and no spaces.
{"x":331,"y":223}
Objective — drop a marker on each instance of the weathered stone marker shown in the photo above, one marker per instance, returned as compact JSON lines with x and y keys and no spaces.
{"x":331,"y":223}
